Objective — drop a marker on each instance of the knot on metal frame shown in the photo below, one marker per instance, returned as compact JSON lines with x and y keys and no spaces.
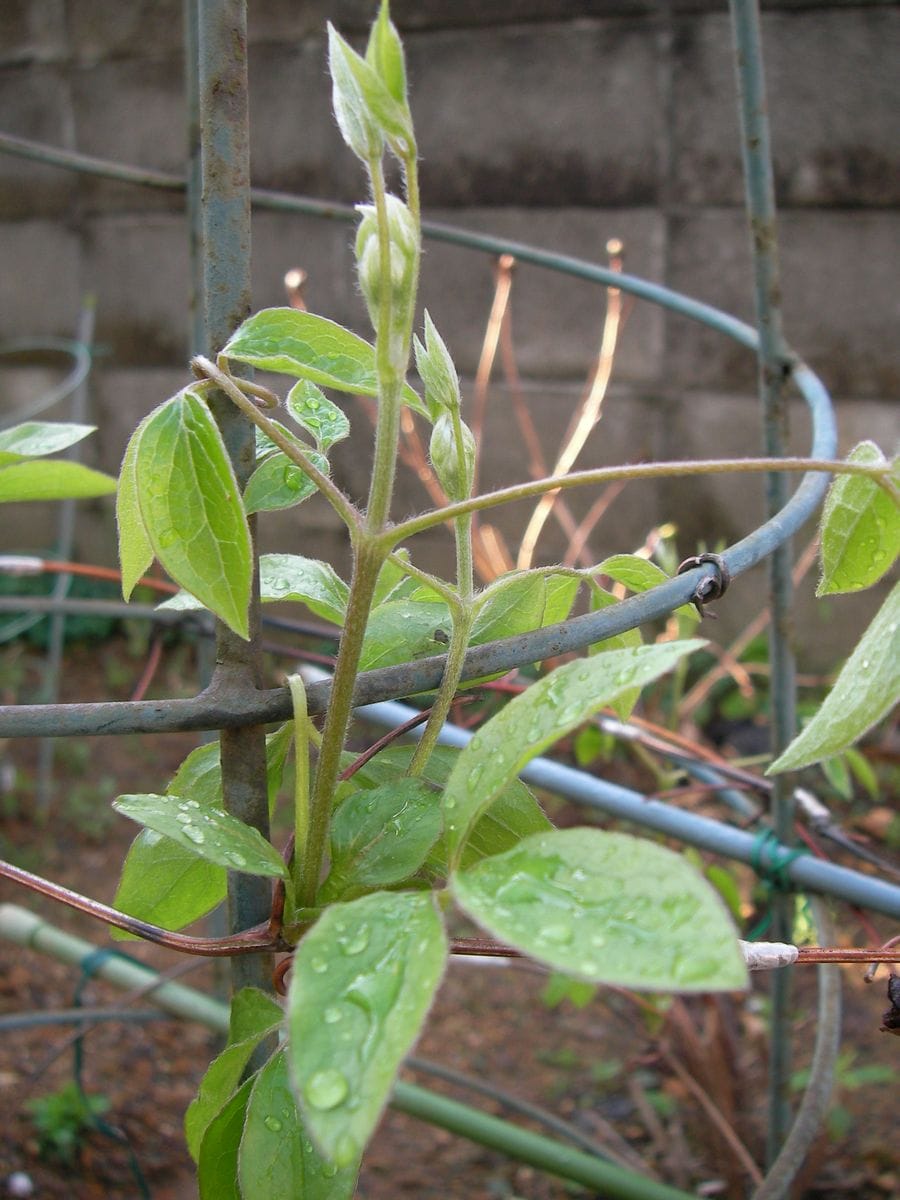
{"x":712,"y":585}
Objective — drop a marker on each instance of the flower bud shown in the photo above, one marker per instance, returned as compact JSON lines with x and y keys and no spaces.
{"x":403,"y":239}
{"x":445,"y":457}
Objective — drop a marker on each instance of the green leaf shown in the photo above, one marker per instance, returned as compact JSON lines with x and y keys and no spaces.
{"x":279,"y":483}
{"x":381,"y":836}
{"x":510,"y":607}
{"x":561,"y":593}
{"x":623,"y":705}
{"x":639,"y":575}
{"x":290,"y":342}
{"x":212,"y":834}
{"x":539,"y":717}
{"x":253,"y":1017}
{"x":191,"y":507}
{"x":860,"y":529}
{"x":40,"y":480}
{"x":515,"y":813}
{"x":361,"y":985}
{"x":384,"y":54}
{"x":277,"y":1160}
{"x":314,"y":412}
{"x":218,"y":1157}
{"x":135,"y":550}
{"x":608,"y":908}
{"x":363,"y":104}
{"x":32,"y":439}
{"x":866,"y":690}
{"x":165,"y":882}
{"x":291,"y":577}
{"x":401,"y":630}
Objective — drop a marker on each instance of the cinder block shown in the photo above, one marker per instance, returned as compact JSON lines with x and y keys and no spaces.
{"x":145,"y":126}
{"x":296,"y":145}
{"x":35,"y":103}
{"x":839,"y":275}
{"x":322,"y":248}
{"x":831,"y":80}
{"x":103,"y":29}
{"x":557,"y":319}
{"x":555,"y":116}
{"x":40,"y":284}
{"x":32,"y":31}
{"x":139,"y":270}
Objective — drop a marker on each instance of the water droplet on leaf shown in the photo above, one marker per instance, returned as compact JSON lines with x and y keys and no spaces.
{"x":273,"y":1124}
{"x":326,"y":1089}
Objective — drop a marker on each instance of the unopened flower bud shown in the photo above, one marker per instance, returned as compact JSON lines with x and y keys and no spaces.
{"x":403,"y":240}
{"x":454,"y":470}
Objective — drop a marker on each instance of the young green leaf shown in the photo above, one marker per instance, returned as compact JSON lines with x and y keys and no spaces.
{"x":384,"y":54}
{"x":32,"y":439}
{"x":279,"y":483}
{"x":401,"y":630}
{"x":165,"y":882}
{"x":639,"y":575}
{"x":362,"y":982}
{"x":365,"y":108}
{"x":277,"y":1160}
{"x":290,"y":342}
{"x":135,"y":550}
{"x":253,"y":1017}
{"x":536,"y":719}
{"x":608,"y":908}
{"x":624,"y":703}
{"x":561,"y":593}
{"x":436,"y":370}
{"x":212,"y":834}
{"x":291,"y":577}
{"x":512,"y":606}
{"x":514,"y":815}
{"x":217,"y":1161}
{"x":38,"y":479}
{"x":860,"y":530}
{"x":314,"y":412}
{"x":866,"y":690}
{"x":381,"y":836}
{"x":191,"y":507}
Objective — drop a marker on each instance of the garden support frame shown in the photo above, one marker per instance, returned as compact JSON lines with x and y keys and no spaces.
{"x":219,"y":200}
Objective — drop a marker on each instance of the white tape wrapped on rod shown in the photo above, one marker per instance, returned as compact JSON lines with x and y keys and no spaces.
{"x":766,"y":956}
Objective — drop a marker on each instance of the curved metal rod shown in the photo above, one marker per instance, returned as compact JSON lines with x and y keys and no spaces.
{"x":219,"y":707}
{"x":79,"y":372}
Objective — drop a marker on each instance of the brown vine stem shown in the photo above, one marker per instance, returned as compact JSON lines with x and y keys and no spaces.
{"x":248,"y":941}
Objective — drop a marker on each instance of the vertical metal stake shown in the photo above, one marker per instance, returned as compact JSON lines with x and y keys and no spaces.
{"x":775,"y":364}
{"x":225,"y":246}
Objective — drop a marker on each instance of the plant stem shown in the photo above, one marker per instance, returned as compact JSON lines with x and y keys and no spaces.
{"x":329,"y":490}
{"x":390,"y":374}
{"x":301,"y":764}
{"x":368,"y":558}
{"x":459,"y":641}
{"x":716,"y":466}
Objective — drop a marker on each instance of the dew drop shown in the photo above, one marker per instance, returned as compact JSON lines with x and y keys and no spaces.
{"x":332,"y":1015}
{"x":195,"y":835}
{"x":474,"y":777}
{"x":273,"y":1124}
{"x":329,"y":1170}
{"x":183,"y":818}
{"x":865,"y":664}
{"x":236,"y":859}
{"x":326,"y":1089}
{"x":319,"y":965}
{"x":558,"y":933}
{"x":357,"y":942}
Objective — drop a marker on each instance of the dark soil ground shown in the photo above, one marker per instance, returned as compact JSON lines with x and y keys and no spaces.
{"x":679,"y":1093}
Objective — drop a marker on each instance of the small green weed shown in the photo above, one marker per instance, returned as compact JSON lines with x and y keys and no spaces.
{"x":62,"y":1118}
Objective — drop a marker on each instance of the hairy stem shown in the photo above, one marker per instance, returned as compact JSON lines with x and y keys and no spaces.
{"x":717,"y":466}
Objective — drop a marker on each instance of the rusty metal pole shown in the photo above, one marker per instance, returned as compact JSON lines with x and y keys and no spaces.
{"x":225,"y":249}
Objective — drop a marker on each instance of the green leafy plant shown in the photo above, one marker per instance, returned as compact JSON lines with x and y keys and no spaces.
{"x":62,"y":1119}
{"x":25,"y":474}
{"x":383,"y":849}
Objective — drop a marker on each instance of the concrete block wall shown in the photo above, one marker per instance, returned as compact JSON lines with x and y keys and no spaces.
{"x":556,"y":122}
